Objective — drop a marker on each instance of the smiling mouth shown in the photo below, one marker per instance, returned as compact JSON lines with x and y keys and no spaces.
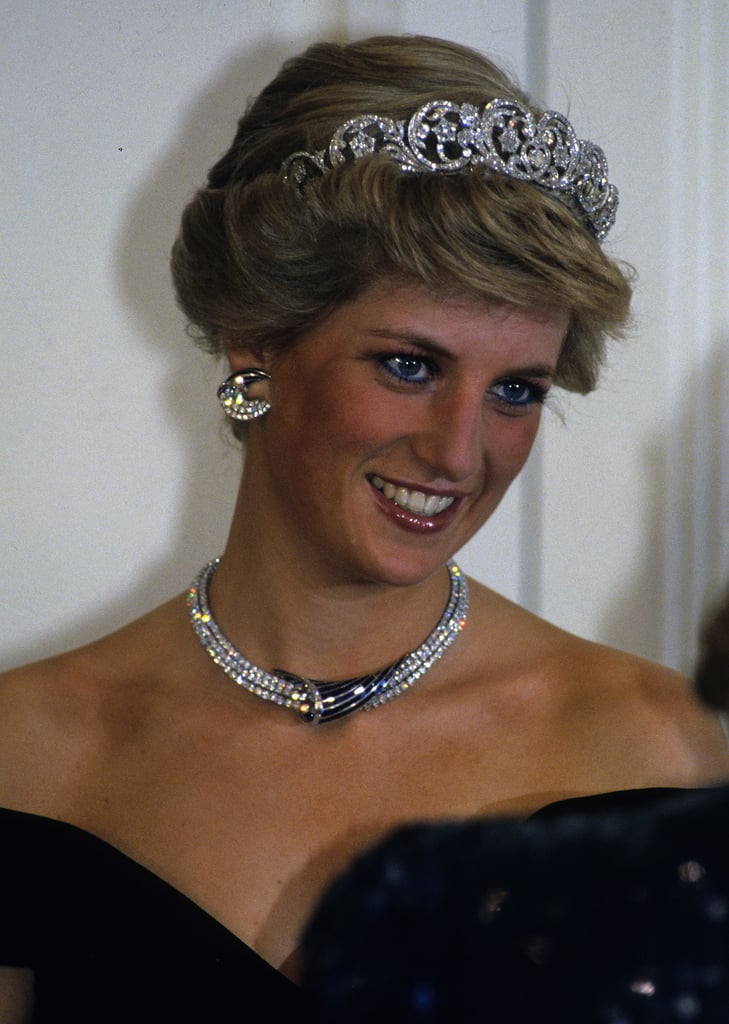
{"x":417,"y":502}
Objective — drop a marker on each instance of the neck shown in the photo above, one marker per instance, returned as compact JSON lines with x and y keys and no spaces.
{"x":284,"y":610}
{"x":320,"y":701}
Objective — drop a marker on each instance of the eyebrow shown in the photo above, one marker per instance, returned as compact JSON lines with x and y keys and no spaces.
{"x":411,"y":338}
{"x":433,"y":348}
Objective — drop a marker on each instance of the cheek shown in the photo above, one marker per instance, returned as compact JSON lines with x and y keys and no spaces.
{"x":327,"y":432}
{"x":355,"y":423}
{"x":511,"y":442}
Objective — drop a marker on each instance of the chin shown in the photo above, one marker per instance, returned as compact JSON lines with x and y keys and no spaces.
{"x":406,"y":569}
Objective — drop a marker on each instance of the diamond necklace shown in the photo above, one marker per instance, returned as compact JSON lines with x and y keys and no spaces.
{"x":313,"y":700}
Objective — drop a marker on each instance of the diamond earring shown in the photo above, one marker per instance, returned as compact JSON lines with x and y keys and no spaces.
{"x":233,"y":395}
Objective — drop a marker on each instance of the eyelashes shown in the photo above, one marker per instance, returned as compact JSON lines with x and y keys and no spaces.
{"x":409,"y":368}
{"x":514,"y":393}
{"x":518,"y":392}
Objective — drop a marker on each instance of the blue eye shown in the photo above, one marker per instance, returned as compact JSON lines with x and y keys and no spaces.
{"x":519,"y":393}
{"x":411,"y":369}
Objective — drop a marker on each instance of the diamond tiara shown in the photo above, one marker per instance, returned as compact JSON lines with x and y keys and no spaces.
{"x":503,"y":136}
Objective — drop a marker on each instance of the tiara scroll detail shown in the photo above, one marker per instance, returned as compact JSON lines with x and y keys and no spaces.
{"x":503,"y":136}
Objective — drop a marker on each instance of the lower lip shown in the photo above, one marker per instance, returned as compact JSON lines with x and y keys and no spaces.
{"x":412,"y":522}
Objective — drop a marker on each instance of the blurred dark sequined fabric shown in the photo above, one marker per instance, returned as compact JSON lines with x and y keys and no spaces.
{"x":600,"y":910}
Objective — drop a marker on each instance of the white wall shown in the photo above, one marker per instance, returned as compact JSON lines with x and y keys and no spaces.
{"x":116,"y":480}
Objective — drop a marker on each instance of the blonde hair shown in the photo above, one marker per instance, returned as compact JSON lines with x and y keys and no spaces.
{"x":257,"y":262}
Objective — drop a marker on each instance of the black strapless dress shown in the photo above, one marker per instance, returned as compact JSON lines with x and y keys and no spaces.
{"x":111,"y":942}
{"x":611,"y":909}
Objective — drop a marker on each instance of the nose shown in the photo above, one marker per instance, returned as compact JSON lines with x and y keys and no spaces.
{"x":450,"y":437}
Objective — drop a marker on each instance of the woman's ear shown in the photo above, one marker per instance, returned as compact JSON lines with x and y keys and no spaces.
{"x":246,"y":356}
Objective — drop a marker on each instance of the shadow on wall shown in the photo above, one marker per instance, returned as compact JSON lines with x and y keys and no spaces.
{"x":209,"y":478}
{"x":684,"y":559}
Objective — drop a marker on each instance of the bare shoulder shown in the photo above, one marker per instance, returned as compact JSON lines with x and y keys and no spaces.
{"x":47,"y":714}
{"x":620,"y":718}
{"x":647,"y":707}
{"x":59,"y":716}
{"x":16,"y":995}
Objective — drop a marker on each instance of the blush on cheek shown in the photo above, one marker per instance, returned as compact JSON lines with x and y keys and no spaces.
{"x":518,"y":442}
{"x":365,"y":429}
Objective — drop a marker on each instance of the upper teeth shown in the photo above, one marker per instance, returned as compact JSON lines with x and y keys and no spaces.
{"x":413,"y":501}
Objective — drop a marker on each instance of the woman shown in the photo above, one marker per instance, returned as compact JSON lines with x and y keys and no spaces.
{"x":397,"y":259}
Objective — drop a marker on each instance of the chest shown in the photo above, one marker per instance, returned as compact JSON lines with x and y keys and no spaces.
{"x":252,"y":818}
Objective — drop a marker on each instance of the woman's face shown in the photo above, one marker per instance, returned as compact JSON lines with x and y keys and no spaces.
{"x":397,"y":426}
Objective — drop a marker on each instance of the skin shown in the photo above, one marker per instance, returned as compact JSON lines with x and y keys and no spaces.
{"x":141,"y":740}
